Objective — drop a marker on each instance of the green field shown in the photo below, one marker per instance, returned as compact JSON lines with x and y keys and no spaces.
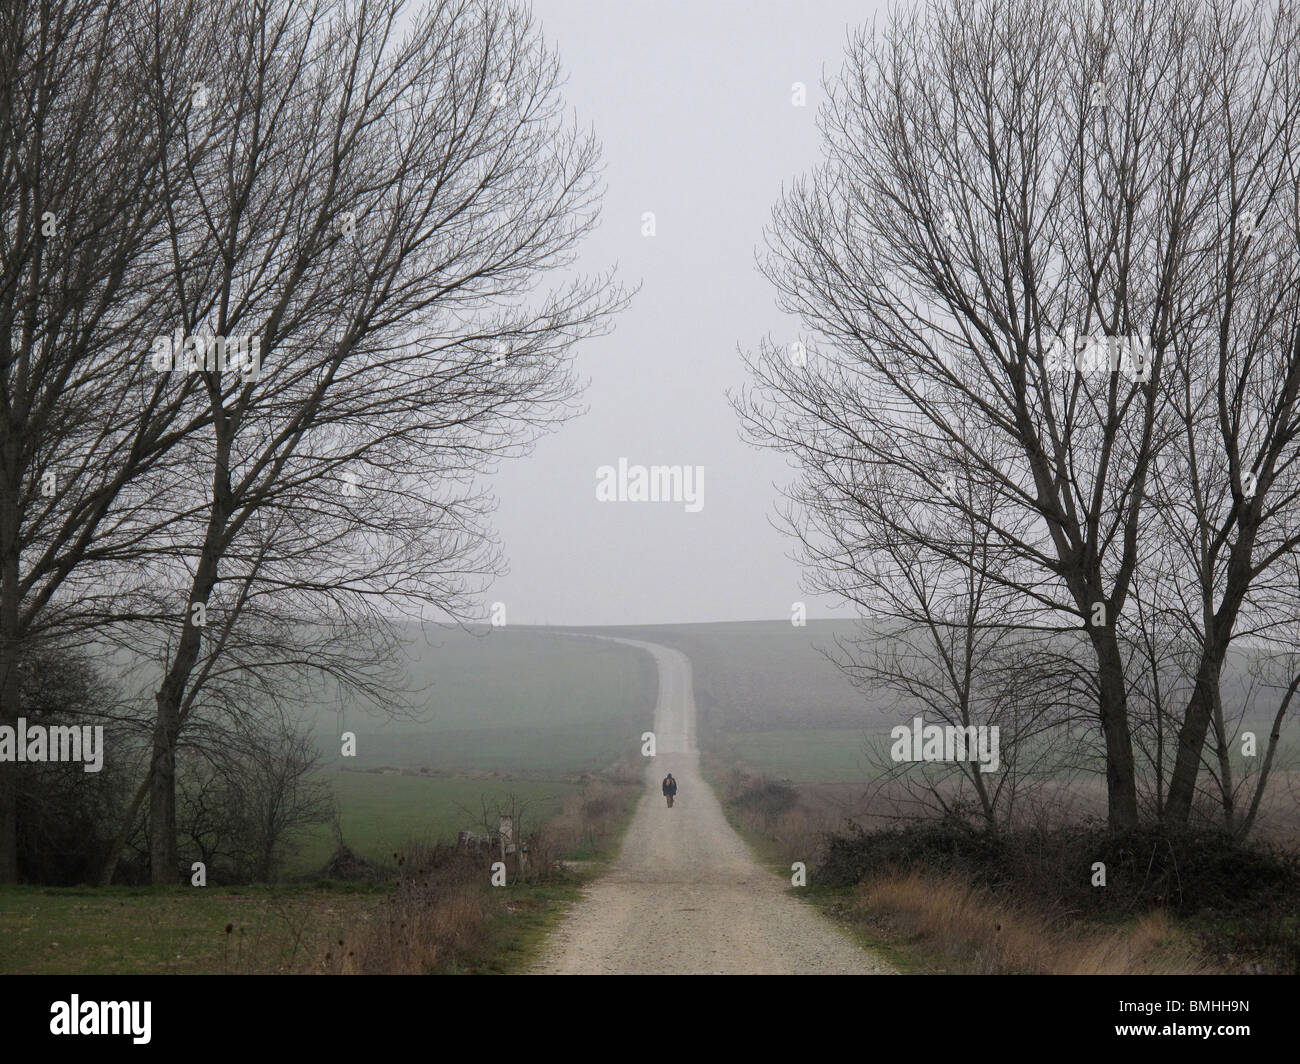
{"x":175,"y":930}
{"x":517,"y":700}
{"x":378,"y":814}
{"x":813,"y":755}
{"x":281,"y":930}
{"x":513,"y":711}
{"x":770,"y":698}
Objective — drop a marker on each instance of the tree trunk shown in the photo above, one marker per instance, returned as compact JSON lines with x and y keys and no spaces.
{"x":167,"y":728}
{"x":10,"y":691}
{"x":1191,"y":739}
{"x":162,"y":796}
{"x":1267,"y":766}
{"x":109,"y":868}
{"x":166,"y":734}
{"x":1121,"y":781}
{"x":1225,"y":763}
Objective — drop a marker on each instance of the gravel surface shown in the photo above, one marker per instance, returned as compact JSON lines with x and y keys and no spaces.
{"x":686,"y":895}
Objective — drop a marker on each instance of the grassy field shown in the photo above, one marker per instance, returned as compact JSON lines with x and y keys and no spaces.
{"x":524,"y":701}
{"x":315,"y":927}
{"x":810,"y":755}
{"x":173,"y":930}
{"x":378,"y":814}
{"x":508,"y":712}
{"x":296,"y":929}
{"x":520,"y":714}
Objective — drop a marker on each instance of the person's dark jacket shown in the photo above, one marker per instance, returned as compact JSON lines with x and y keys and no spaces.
{"x":670,"y":785}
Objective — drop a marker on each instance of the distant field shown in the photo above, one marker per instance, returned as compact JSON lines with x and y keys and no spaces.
{"x":515,"y":700}
{"x":766,"y":675}
{"x":529,"y":710}
{"x":378,"y":814}
{"x":510,"y":711}
{"x":770,"y":699}
{"x":485,"y":713}
{"x":815,"y":755}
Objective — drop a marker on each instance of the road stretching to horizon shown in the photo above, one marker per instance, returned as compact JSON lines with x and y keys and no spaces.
{"x":686,"y":896}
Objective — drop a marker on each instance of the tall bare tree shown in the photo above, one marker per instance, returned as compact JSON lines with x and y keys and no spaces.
{"x":357,"y":197}
{"x":380,"y":221}
{"x":83,"y":427}
{"x":1021,"y":206}
{"x":1230,"y":498}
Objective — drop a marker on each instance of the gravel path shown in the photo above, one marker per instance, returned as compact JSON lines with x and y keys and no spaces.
{"x":685,"y":895}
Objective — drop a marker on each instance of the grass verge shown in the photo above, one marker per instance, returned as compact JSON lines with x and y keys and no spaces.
{"x":939,"y":897}
{"x":440,"y":914}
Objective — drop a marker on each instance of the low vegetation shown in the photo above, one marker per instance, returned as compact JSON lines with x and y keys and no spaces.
{"x":947,"y":924}
{"x":943,"y":896}
{"x":426,"y":908}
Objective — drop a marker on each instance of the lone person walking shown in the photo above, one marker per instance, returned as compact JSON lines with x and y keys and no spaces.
{"x":670,"y":788}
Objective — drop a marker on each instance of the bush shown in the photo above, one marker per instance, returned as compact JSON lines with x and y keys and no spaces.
{"x":435,"y":914}
{"x":766,"y":799}
{"x":1190,"y":872}
{"x":938,"y":846}
{"x":67,"y":817}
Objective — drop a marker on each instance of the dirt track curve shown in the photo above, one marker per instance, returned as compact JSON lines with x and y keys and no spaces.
{"x":686,"y":895}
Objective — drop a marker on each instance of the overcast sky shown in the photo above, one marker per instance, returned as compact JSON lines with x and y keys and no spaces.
{"x":691,"y":100}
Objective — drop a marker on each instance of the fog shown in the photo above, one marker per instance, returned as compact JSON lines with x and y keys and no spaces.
{"x":693,"y":105}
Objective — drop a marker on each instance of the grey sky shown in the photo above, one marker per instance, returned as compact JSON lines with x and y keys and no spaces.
{"x":692,"y":102}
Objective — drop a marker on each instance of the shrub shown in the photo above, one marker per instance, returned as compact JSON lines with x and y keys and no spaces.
{"x":1187,"y":872}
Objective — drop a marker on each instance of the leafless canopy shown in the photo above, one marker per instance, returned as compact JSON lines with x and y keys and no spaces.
{"x":1048,"y":271}
{"x":291,"y":314}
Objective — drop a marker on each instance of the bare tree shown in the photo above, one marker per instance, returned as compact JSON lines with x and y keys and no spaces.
{"x":82,"y":428}
{"x":940,"y":636}
{"x":386,"y":254}
{"x":362,"y":210}
{"x":1005,"y":213}
{"x":247,"y":796}
{"x":1030,"y":229}
{"x":1230,"y":496}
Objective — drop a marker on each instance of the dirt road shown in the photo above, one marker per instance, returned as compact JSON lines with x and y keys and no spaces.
{"x":685,"y":895}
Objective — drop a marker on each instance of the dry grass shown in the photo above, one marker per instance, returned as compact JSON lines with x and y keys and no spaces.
{"x":789,"y":820}
{"x":972,"y":931}
{"x":437,"y":911}
{"x":590,"y":819}
{"x":442,"y":908}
